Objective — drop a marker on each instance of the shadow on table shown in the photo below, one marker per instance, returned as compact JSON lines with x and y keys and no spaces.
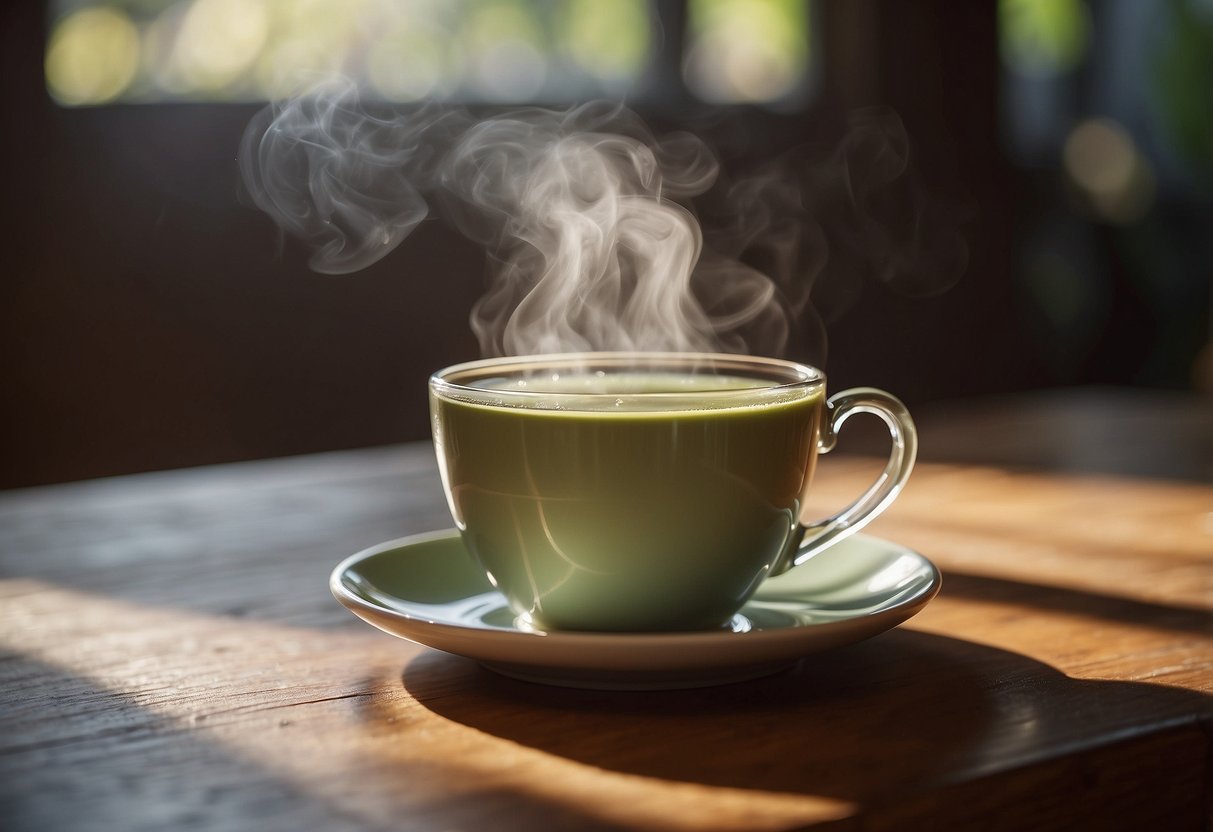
{"x":1093,"y":605}
{"x":874,"y":722}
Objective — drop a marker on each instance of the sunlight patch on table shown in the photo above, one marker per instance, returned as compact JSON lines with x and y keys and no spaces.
{"x":300,"y":703}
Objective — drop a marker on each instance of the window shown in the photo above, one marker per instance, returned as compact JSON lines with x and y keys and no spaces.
{"x":507,"y":51}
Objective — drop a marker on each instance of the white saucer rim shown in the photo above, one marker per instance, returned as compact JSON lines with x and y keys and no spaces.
{"x":902,"y":610}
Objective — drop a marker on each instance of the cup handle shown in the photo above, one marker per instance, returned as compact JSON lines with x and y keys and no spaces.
{"x":808,"y":540}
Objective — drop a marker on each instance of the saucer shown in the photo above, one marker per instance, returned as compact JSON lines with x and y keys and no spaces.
{"x":426,"y":588}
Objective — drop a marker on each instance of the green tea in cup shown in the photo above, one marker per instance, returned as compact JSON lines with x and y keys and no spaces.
{"x":643,"y":491}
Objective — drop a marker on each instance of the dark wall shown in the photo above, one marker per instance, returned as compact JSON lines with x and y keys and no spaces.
{"x":149,"y":320}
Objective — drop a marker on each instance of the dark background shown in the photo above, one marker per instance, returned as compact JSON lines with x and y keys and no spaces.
{"x":150,"y":320}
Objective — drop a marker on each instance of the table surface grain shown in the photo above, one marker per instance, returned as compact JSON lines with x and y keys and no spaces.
{"x":170,"y":658}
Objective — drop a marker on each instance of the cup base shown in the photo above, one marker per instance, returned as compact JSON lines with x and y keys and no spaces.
{"x":526,"y":623}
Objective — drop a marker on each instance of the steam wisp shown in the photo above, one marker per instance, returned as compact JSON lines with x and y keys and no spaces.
{"x":589,"y":222}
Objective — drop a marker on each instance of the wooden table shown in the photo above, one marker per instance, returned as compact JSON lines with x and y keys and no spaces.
{"x":172,"y":659}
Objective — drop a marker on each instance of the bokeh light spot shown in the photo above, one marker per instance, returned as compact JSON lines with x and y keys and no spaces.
{"x":218,"y":41}
{"x":612,"y":40}
{"x":746,"y":50}
{"x":504,"y":45}
{"x":1115,"y":180}
{"x":92,"y":56}
{"x":1043,"y":37}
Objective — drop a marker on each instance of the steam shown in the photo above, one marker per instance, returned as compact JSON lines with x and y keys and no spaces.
{"x":342,"y":178}
{"x":588,"y":219}
{"x":577,"y":208}
{"x":908,"y":238}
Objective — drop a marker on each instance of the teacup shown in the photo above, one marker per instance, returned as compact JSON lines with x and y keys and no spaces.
{"x":644,"y":491}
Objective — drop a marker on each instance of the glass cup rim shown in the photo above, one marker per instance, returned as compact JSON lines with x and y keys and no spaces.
{"x":775,"y":377}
